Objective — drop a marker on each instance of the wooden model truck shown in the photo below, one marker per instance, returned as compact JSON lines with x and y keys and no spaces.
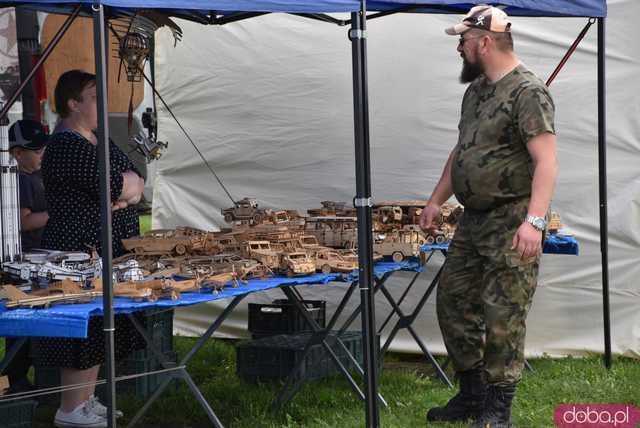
{"x":400,"y":244}
{"x":262,"y":252}
{"x":388,"y":214}
{"x":335,"y":232}
{"x":246,"y":210}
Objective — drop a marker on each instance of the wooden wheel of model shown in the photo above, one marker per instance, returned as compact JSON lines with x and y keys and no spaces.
{"x":440,"y":239}
{"x":180,"y":249}
{"x":397,"y":256}
{"x":430,"y":240}
{"x":326,"y":268}
{"x":228,"y":218}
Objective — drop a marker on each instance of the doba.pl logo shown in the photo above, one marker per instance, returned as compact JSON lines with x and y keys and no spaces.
{"x":596,"y":416}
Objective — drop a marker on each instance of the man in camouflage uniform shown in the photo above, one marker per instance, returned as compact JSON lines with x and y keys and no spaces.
{"x":503,"y":171}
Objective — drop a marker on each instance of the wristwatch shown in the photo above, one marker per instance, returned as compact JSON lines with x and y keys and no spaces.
{"x":539,"y":223}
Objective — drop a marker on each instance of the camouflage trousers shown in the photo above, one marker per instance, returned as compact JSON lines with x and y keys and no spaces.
{"x":485,"y":293}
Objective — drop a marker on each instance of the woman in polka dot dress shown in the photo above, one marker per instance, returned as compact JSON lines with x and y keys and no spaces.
{"x":70,"y":175}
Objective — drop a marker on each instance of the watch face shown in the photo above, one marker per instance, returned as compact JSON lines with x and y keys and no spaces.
{"x":539,"y":223}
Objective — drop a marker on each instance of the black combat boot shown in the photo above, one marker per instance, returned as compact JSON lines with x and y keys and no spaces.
{"x":497,"y":411}
{"x":467,"y":403}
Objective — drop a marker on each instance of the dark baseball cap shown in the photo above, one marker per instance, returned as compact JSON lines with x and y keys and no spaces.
{"x":28,"y":134}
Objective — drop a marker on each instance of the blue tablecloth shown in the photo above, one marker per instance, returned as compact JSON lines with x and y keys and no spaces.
{"x":71,"y":320}
{"x":554,"y":244}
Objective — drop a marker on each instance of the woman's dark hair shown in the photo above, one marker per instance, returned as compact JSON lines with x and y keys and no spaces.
{"x":69,"y":87}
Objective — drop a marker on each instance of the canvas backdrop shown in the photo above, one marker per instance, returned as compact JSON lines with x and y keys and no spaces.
{"x":268,"y":101}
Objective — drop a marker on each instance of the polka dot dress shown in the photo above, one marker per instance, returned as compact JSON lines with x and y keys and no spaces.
{"x":72,"y":186}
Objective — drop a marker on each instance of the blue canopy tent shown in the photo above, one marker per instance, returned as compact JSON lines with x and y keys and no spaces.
{"x":218,"y":12}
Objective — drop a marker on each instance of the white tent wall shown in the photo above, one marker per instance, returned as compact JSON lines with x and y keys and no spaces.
{"x":269,"y":103}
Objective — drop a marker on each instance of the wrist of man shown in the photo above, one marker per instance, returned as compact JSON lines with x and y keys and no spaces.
{"x":537,"y":222}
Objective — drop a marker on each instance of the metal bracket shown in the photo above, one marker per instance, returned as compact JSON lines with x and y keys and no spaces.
{"x":362,"y":202}
{"x":357,"y":34}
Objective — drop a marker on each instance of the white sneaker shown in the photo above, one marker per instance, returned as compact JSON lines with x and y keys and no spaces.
{"x":100,"y":409}
{"x":80,"y":417}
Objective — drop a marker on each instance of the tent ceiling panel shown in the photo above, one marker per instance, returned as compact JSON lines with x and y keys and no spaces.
{"x":204,"y":11}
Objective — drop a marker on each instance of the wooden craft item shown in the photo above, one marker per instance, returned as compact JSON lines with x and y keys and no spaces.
{"x":73,"y":52}
{"x":17,"y":298}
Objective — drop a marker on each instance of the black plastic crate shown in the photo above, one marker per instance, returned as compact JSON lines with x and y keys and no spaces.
{"x":144,"y":386}
{"x":283,"y":317}
{"x":273,"y":358}
{"x":159,"y":327}
{"x":17,"y":414}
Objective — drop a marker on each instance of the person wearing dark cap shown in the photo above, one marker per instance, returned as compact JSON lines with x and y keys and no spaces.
{"x":27,"y":140}
{"x":503,"y":170}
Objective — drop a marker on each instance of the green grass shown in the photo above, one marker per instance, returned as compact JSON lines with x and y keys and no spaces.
{"x":145,"y":223}
{"x":406,"y":384}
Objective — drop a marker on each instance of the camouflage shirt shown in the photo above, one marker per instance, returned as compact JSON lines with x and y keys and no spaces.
{"x":492,"y":166}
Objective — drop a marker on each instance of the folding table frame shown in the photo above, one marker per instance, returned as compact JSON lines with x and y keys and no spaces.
{"x":405,"y":321}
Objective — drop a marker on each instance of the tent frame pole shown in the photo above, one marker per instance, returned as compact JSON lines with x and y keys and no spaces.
{"x":602,"y":168}
{"x":100,"y":48}
{"x":363,"y":205}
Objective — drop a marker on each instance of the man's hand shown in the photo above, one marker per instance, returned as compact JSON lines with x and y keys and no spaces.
{"x":428,"y":216}
{"x":527,"y":241}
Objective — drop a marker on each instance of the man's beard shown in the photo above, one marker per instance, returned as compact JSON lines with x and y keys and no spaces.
{"x":470,"y":72}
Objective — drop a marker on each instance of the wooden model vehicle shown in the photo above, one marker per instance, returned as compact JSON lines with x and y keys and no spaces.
{"x":388,"y":214}
{"x":329,"y":260}
{"x":554,"y":223}
{"x":351,"y":254}
{"x":277,"y":217}
{"x":400,"y":244}
{"x":224,"y":263}
{"x":332,"y":208}
{"x":223,"y":243}
{"x":296,"y":263}
{"x":450,"y":213}
{"x":262,"y":252}
{"x":335,"y":232}
{"x":159,"y":242}
{"x":246,"y":209}
{"x":50,"y":266}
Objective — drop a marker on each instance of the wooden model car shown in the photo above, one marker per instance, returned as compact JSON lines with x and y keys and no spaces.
{"x":296,"y":263}
{"x":329,"y":260}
